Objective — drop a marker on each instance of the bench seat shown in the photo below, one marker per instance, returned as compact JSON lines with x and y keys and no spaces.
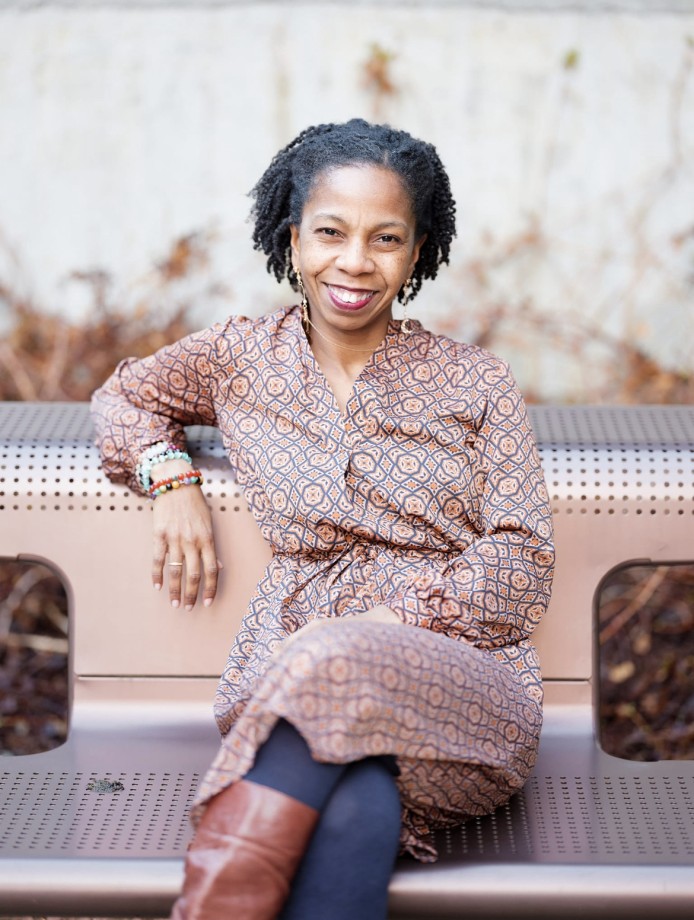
{"x":99,"y":827}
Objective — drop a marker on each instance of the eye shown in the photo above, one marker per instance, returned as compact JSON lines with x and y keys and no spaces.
{"x":327,"y":231}
{"x":389,"y":239}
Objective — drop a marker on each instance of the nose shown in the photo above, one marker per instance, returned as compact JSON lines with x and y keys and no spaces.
{"x":354,"y":258}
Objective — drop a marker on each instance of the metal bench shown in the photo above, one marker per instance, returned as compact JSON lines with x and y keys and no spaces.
{"x":99,"y":826}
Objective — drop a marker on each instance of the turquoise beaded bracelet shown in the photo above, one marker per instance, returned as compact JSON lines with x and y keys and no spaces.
{"x":157,"y":453}
{"x":146,"y":461}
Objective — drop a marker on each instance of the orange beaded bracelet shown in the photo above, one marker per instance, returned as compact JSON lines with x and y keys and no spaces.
{"x":190,"y":478}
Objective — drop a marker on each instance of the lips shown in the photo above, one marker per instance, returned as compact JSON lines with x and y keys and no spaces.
{"x":349,"y":299}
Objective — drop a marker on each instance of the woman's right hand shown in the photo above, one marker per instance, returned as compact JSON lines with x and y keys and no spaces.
{"x":183,"y":533}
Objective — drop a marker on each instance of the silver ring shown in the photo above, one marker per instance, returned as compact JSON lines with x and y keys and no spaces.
{"x":177,"y":564}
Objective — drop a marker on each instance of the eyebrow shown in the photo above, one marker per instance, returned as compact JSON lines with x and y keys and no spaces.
{"x":382,"y":226}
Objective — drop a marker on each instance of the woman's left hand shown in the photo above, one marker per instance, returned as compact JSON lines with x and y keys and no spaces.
{"x":378,"y":614}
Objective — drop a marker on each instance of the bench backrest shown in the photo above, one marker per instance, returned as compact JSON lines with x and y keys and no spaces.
{"x":621,"y":482}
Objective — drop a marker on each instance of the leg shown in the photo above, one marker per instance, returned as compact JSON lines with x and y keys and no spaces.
{"x":349,"y":862}
{"x":254,"y":833}
{"x":247,"y":848}
{"x":285,"y":763}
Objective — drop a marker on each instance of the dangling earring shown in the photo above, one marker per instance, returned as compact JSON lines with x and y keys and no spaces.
{"x":407,"y":297}
{"x":304,"y":300}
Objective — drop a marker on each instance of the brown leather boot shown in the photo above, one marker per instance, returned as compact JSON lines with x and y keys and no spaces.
{"x":245,"y":853}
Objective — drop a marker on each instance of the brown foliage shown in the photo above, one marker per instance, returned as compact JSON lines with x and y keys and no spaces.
{"x":623,"y":371}
{"x":646,"y":620}
{"x":46,"y":357}
{"x":33,"y":659}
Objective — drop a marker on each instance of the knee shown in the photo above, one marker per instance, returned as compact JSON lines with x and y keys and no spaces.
{"x":365,"y":805}
{"x":330,"y":647}
{"x":332,"y":669}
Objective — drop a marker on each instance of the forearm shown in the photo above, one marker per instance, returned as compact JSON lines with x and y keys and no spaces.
{"x":493,"y":595}
{"x":125,"y":428}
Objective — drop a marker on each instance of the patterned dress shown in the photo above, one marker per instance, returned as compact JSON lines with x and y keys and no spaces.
{"x":426,"y":495}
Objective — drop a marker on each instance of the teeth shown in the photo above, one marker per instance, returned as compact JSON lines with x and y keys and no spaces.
{"x":349,"y":296}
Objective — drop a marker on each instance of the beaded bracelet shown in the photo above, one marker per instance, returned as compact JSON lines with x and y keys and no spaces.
{"x":193,"y":478}
{"x":157,"y":453}
{"x":146,"y":461}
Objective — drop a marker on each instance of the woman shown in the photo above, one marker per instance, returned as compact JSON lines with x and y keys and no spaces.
{"x":383,"y":682}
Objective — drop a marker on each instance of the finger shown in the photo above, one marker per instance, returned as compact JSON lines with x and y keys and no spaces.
{"x":193,"y":577}
{"x":175,"y":571}
{"x":158,"y":560}
{"x":210,"y":566}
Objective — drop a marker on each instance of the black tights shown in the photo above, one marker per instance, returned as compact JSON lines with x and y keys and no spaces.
{"x":347,"y":867}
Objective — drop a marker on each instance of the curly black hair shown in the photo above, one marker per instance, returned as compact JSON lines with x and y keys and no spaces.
{"x":282,"y":191}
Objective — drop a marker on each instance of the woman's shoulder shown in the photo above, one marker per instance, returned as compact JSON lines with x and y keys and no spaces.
{"x":268,"y":324}
{"x":473,"y":363}
{"x":238,"y":334}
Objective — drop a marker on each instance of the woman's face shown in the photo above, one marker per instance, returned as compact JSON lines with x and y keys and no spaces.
{"x":355,"y":248}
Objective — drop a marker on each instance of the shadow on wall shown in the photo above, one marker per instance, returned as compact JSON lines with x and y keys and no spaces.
{"x":48,"y":358}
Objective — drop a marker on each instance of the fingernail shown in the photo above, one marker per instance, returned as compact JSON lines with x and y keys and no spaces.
{"x":220,"y":564}
{"x":157,"y":587}
{"x":207,"y":602}
{"x":189,"y":607}
{"x":175,"y":603}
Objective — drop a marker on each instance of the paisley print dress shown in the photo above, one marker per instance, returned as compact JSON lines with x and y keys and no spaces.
{"x":426,"y":495}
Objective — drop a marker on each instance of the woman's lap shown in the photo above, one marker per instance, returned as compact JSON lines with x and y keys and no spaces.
{"x":460,"y":723}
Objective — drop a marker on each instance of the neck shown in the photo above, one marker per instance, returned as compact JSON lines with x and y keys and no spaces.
{"x":344,"y":352}
{"x":336,"y":358}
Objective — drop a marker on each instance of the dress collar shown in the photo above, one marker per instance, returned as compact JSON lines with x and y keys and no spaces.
{"x":392,"y":343}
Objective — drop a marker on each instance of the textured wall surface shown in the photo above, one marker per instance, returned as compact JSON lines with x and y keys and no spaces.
{"x":569,"y":137}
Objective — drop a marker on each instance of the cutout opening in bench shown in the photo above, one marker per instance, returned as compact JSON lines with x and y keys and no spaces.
{"x":645,"y":650}
{"x":34,"y":658}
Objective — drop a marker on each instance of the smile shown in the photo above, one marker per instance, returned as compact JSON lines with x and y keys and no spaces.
{"x":350,"y":298}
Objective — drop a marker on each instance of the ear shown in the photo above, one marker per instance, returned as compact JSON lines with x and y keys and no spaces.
{"x":295,"y":244}
{"x":416,"y":250}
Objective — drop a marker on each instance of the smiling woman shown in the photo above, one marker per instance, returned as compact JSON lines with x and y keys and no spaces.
{"x":383,"y":682}
{"x":354,"y":251}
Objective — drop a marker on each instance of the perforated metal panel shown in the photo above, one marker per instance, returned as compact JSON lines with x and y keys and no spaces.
{"x":41,"y":422}
{"x":631,"y":467}
{"x":554,"y":426}
{"x":618,"y":460}
{"x":609,"y":427}
{"x":605,"y":819}
{"x":598,"y":460}
{"x":58,"y":506}
{"x":49,"y":462}
{"x":66,"y":814}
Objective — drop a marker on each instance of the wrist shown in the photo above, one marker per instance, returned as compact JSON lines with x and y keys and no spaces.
{"x":190,"y":477}
{"x":155,"y":455}
{"x":169,"y":468}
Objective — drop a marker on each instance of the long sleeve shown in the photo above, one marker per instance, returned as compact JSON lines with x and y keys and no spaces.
{"x":495,"y":592}
{"x":150,"y":400}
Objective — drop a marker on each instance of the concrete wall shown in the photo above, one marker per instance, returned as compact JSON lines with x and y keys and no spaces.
{"x":569,"y":136}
